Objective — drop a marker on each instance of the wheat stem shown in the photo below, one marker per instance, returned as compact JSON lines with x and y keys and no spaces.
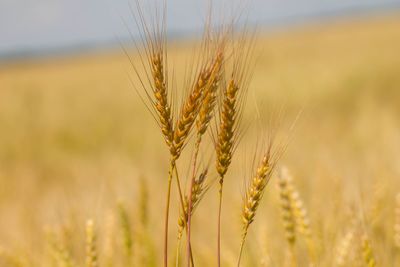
{"x":219,"y":222}
{"x":189,"y":213}
{"x":168,"y":199}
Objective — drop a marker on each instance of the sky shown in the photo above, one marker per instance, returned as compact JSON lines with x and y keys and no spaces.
{"x":40,"y":25}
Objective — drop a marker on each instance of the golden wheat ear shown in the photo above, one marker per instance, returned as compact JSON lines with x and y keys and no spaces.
{"x":155,"y":91}
{"x":206,"y":113}
{"x":255,"y":191}
{"x":151,"y":68}
{"x":233,"y":98}
{"x":207,"y":78}
{"x":198,"y":190}
{"x":210,"y":94}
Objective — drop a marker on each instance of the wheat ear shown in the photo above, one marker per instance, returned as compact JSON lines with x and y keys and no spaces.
{"x":189,"y":111}
{"x":161,"y":97}
{"x":254,"y":194}
{"x":228,"y":132}
{"x":224,"y":147}
{"x":206,"y":112}
{"x":156,"y":74}
{"x":288,"y":214}
{"x":198,"y":191}
{"x":210,"y":94}
{"x":302,"y":220}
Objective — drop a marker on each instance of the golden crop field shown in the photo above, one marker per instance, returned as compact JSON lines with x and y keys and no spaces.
{"x":84,"y":166}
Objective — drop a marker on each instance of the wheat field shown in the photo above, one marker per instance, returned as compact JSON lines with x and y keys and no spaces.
{"x":84,"y":167}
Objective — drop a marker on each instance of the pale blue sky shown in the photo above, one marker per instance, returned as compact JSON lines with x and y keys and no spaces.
{"x":27,"y":25}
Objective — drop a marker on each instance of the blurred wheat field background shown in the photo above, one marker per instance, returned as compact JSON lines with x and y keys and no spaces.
{"x":76,"y":143}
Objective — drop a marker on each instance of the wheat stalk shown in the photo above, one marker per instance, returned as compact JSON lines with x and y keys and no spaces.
{"x":198,"y":190}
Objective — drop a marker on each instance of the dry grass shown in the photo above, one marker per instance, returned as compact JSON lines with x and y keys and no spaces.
{"x":70,"y":147}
